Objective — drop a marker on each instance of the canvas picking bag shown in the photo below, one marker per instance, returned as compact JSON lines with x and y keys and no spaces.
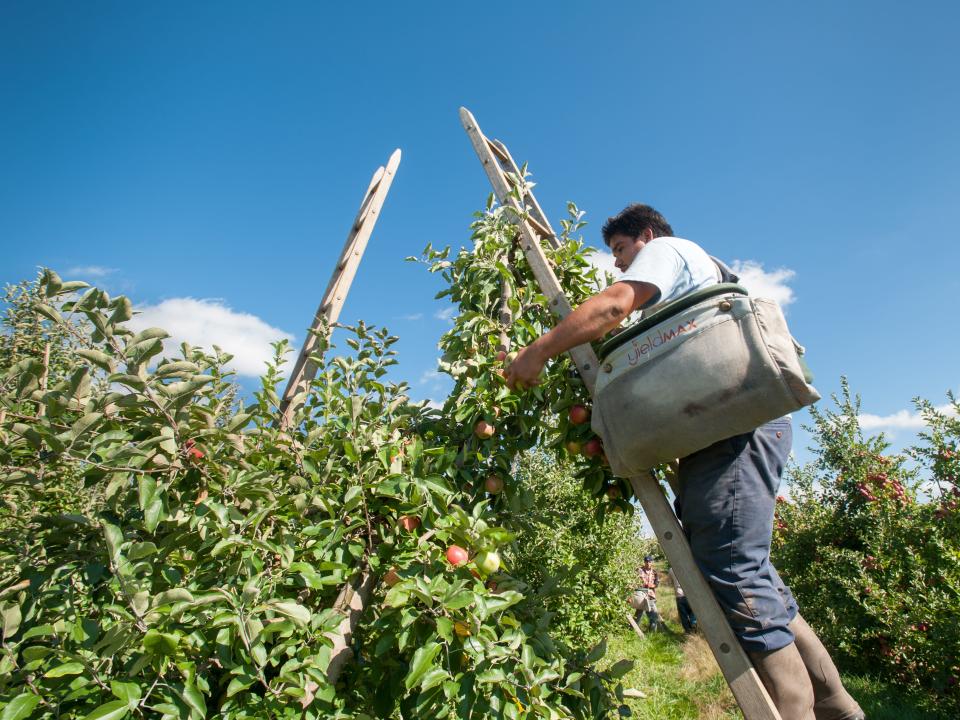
{"x":710,"y":365}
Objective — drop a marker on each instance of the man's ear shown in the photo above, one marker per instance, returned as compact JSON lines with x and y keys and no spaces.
{"x":647,"y":234}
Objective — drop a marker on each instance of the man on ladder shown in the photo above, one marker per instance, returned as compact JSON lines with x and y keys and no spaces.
{"x":727,"y":491}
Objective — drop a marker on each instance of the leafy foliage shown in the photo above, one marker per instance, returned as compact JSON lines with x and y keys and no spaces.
{"x":583,"y":569}
{"x":875,"y":564}
{"x":206,"y":568}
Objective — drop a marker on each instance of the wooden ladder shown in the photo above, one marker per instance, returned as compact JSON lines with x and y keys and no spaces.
{"x":305,"y":370}
{"x":534,"y":229}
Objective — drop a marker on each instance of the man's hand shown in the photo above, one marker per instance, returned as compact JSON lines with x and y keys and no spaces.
{"x":593,"y":319}
{"x":525,"y":369}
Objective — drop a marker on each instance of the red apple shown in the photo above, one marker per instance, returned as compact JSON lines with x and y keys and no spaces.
{"x":409,"y":522}
{"x":579,"y":414}
{"x":593,"y":447}
{"x":494,"y":484}
{"x":456,"y":555}
{"x":573,"y":447}
{"x":613,"y":492}
{"x":501,"y":356}
{"x":483,"y":429}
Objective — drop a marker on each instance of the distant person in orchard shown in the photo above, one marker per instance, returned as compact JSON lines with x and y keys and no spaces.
{"x":649,"y":580}
{"x":727,"y":491}
{"x":687,"y":619}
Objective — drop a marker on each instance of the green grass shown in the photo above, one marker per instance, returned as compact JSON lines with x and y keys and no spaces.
{"x":682,"y":681}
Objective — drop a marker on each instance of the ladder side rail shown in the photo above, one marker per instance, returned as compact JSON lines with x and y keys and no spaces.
{"x":583,"y":355}
{"x":536,"y":212}
{"x":740,"y":674}
{"x":321,"y":315}
{"x":305,"y":370}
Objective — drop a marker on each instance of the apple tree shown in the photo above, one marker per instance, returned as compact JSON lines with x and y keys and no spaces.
{"x":217,"y":564}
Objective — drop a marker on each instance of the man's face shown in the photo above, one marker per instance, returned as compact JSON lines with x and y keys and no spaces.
{"x":625,"y":248}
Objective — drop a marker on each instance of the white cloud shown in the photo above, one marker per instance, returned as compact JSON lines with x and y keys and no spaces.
{"x":761,"y":283}
{"x":97,"y":271}
{"x":430,"y":376}
{"x":603,"y":261}
{"x":413,"y":316}
{"x":445,"y":314}
{"x":205,"y":323}
{"x":900,"y":420}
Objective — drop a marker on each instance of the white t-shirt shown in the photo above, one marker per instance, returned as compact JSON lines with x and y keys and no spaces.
{"x":676,"y":267}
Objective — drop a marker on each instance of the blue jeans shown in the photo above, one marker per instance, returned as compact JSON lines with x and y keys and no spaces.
{"x":727,"y":496}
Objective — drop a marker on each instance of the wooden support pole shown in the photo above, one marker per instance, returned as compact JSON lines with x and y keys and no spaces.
{"x":353,"y":598}
{"x":305,"y":369}
{"x":736,"y":667}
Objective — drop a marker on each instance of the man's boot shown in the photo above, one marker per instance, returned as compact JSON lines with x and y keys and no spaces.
{"x":831,"y":700}
{"x":785,"y":678}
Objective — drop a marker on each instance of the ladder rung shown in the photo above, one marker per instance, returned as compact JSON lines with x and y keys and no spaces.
{"x":495,"y":148}
{"x":543,"y":231}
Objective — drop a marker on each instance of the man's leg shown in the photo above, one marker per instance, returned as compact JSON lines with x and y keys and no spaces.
{"x":726,"y":503}
{"x":832,"y":701}
{"x":685,"y":613}
{"x":653,"y":614}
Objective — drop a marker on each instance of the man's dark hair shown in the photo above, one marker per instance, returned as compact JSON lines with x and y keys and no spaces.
{"x":633,"y":220}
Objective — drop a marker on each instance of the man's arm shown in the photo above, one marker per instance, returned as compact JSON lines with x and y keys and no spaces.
{"x":593,"y":319}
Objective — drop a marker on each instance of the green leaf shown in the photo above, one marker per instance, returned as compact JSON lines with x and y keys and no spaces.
{"x":49,"y":313}
{"x":122,"y":311}
{"x":422,"y":660}
{"x":434,"y":677}
{"x":296,"y":612}
{"x":620,"y":668}
{"x":20,"y":707}
{"x":445,"y":628}
{"x":71,"y":285}
{"x":11,"y":621}
{"x":148,"y":334}
{"x":178,"y":367}
{"x":113,"y":710}
{"x":350,"y":451}
{"x":194,"y":698}
{"x":597,"y":652}
{"x":150,"y":502}
{"x":175,"y":595}
{"x":114,"y":538}
{"x":241,"y":682}
{"x":140,"y":550}
{"x":240,"y":420}
{"x":459,"y":600}
{"x":38,"y":631}
{"x":85,"y":423}
{"x":130,"y":692}
{"x":131,"y":381}
{"x":51,"y":282}
{"x":100,"y":359}
{"x":161,"y":643}
{"x":69,"y":668}
{"x":397,"y":596}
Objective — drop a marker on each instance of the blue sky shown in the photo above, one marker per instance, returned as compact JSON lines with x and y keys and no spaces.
{"x":207,"y":158}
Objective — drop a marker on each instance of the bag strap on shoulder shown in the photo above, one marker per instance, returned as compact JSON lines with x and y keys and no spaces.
{"x":726,"y":274}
